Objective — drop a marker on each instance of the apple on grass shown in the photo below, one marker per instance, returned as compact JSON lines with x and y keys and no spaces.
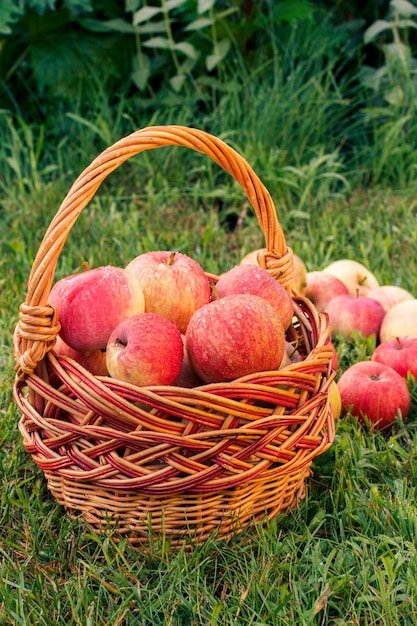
{"x":349,"y":314}
{"x":174,"y":284}
{"x":299,"y":268}
{"x":236,"y":335}
{"x":390,"y":295}
{"x":252,"y":279}
{"x":92,"y":303}
{"x":374,"y":391}
{"x":323,"y":287}
{"x":145,"y":349}
{"x":358,"y":279}
{"x":400,"y":353}
{"x":94,"y":361}
{"x":399,"y":321}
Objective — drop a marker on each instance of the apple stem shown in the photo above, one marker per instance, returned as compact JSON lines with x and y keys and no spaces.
{"x":171,"y":258}
{"x":119,"y":342}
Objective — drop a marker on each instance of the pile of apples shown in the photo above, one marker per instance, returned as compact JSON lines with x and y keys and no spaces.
{"x":161,"y":321}
{"x":355,"y":302}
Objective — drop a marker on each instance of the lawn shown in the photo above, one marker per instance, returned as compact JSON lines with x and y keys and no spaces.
{"x":347,"y":553}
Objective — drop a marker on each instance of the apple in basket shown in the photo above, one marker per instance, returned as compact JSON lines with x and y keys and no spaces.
{"x":400,"y":353}
{"x":375,"y":391}
{"x":257,"y":281}
{"x":399,"y":321}
{"x":358,"y":278}
{"x":390,"y":295}
{"x":145,"y":349}
{"x":349,"y":314}
{"x":92,"y":303}
{"x":323,"y":287}
{"x":174,"y":284}
{"x":233,"y":336}
{"x":299,"y":268}
{"x":94,"y":361}
{"x":187,"y":376}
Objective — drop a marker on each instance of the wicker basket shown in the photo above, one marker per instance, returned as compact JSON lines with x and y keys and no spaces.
{"x":178,"y":461}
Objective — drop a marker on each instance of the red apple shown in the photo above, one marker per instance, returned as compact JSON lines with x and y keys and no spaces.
{"x":376,"y":391}
{"x":94,"y":362}
{"x":349,"y":314}
{"x":399,"y":321}
{"x":187,"y":376}
{"x":174,"y":284}
{"x":358,"y":279}
{"x":299,"y":269}
{"x":234,"y":336}
{"x":323,"y":287}
{"x":92,"y":303}
{"x":252,"y":279}
{"x":389,"y":295}
{"x":145,"y":349}
{"x":400,"y":353}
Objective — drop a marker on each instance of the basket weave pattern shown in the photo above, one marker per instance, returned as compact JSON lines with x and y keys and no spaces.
{"x":168,"y":458}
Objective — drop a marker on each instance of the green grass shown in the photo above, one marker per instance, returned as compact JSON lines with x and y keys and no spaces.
{"x":347,"y":554}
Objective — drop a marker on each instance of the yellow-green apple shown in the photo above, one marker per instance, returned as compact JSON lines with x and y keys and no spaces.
{"x":252,"y":279}
{"x":389,"y":295}
{"x":358,"y":279}
{"x":349,"y":314}
{"x":299,"y":268}
{"x":375,"y":391}
{"x":94,"y":361}
{"x":173,"y":283}
{"x":335,"y":400}
{"x":323,"y":287}
{"x":234,"y":336}
{"x":399,"y":321}
{"x":252,"y":257}
{"x":145,"y":349}
{"x":299,"y":282}
{"x":92,"y":303}
{"x":400,"y":353}
{"x":188,"y":376}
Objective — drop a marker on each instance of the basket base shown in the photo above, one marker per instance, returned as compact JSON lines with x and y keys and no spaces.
{"x":141,"y":518}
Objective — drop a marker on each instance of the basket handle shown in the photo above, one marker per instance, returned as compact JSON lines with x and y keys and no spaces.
{"x":38,"y":324}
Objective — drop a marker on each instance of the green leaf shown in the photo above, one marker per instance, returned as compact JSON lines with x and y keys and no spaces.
{"x":199,"y":24}
{"x":187,"y":49}
{"x":221,"y":51}
{"x":141,"y":78}
{"x":131,"y":5}
{"x":9,"y":13}
{"x":205,"y":5}
{"x":158,"y":42}
{"x":145,"y":14}
{"x":150,"y":28}
{"x":403,"y":7}
{"x":174,"y":4}
{"x":177,"y":82}
{"x":376,"y":29}
{"x":118,"y":25}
